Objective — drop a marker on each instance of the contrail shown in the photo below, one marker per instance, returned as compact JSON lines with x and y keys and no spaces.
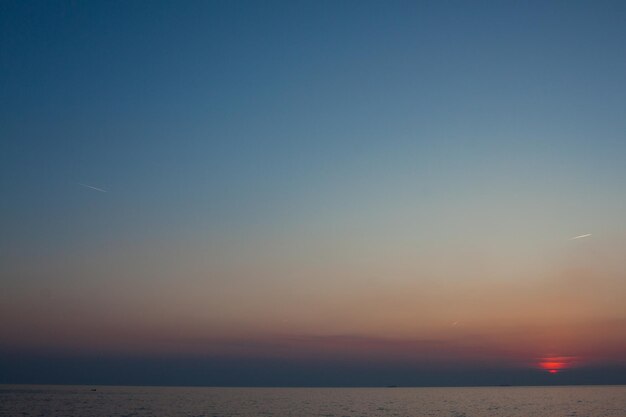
{"x":93,"y":188}
{"x":581,"y":236}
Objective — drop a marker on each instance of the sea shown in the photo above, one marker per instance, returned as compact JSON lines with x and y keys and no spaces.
{"x":96,"y":401}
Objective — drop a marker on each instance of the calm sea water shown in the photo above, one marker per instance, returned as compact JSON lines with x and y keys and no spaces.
{"x":70,"y":401}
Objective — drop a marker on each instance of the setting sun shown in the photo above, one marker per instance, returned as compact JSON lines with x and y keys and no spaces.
{"x":555,"y":364}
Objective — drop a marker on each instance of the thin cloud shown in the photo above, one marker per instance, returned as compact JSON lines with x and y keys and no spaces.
{"x":92,"y":187}
{"x":581,"y":236}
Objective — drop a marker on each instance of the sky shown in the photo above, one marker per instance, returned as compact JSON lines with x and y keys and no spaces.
{"x":310,"y":193}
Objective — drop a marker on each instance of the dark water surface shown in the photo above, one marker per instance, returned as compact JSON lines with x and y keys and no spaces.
{"x":71,"y":401}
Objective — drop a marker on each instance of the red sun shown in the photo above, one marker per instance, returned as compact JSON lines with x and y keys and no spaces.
{"x":555,"y":364}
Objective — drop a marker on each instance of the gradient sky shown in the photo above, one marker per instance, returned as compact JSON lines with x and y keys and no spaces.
{"x":304,"y":193}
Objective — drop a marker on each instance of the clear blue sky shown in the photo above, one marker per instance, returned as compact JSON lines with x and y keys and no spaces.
{"x":273,"y":169}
